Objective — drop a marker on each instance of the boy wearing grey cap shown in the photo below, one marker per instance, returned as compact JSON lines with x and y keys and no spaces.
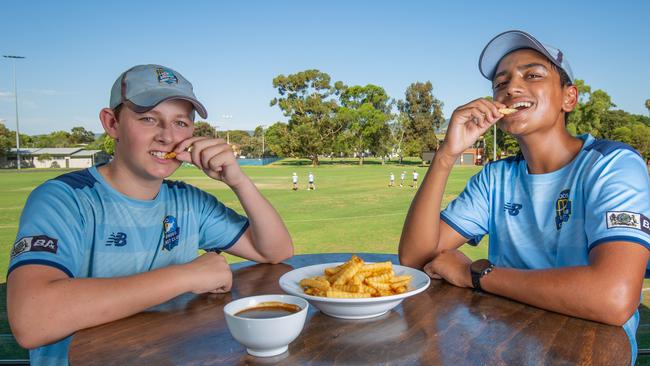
{"x":567,"y":218}
{"x":107,"y":242}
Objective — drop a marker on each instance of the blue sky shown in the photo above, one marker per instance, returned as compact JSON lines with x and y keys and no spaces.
{"x":231,"y":50}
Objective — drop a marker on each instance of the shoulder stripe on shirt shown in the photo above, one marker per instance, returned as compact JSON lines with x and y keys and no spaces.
{"x":632,"y":239}
{"x":472,"y":240}
{"x":78,"y":179}
{"x":43,"y":262}
{"x":606,"y":147}
{"x":175,"y":183}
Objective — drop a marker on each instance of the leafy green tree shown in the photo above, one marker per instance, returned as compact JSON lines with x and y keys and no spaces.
{"x":612,"y":120}
{"x":640,"y":139}
{"x":588,"y":113}
{"x":622,"y":134}
{"x":307,"y":99}
{"x":54,"y":139}
{"x":109,"y":145}
{"x":7,"y":139}
{"x":202,"y":128}
{"x":365,"y":111}
{"x":276,"y":141}
{"x":424,"y":116}
{"x":647,"y":105}
{"x":398,"y":130}
{"x":79,"y":135}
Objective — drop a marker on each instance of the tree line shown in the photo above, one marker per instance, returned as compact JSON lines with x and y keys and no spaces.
{"x":326,"y":118}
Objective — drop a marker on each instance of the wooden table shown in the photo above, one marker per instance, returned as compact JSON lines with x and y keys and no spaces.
{"x":444,"y":325}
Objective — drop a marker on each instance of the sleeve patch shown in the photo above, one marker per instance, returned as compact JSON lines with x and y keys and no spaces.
{"x":39,"y":243}
{"x":626,"y":219}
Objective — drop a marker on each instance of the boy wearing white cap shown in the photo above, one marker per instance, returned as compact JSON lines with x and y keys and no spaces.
{"x":567,"y":218}
{"x":107,"y":242}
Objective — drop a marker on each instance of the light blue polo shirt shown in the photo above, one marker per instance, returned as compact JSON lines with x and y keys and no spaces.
{"x":80,"y":225}
{"x":538,"y":221}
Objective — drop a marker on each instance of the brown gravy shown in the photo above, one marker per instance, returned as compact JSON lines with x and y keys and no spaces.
{"x":270,"y":309}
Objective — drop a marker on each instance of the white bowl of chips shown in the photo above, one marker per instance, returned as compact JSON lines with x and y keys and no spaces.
{"x":353,"y":308}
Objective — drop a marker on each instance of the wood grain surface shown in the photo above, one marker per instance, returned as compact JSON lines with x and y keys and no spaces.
{"x":444,"y":325}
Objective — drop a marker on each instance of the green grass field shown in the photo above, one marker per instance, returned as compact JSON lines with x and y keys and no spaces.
{"x":351,"y":210}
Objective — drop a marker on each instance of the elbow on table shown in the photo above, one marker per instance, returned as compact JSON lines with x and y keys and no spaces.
{"x":618,"y":307}
{"x":409,"y":260}
{"x":281,"y":255}
{"x":25,"y":336}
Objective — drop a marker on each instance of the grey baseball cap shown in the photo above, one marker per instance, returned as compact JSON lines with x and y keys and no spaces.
{"x":146,"y":86}
{"x":513,"y":40}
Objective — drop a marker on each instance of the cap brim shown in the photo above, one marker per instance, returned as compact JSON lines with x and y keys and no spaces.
{"x":503,"y":44}
{"x":149,"y":99}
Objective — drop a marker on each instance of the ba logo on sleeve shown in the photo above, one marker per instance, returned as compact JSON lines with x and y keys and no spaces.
{"x":627,"y":219}
{"x":562,"y":209}
{"x":39,"y":243}
{"x":171,"y":233}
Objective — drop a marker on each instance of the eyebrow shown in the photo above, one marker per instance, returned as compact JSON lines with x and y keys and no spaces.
{"x":180,"y":115}
{"x":522,"y":67}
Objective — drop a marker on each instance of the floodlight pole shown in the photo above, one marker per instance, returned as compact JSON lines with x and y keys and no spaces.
{"x":16,"y":100}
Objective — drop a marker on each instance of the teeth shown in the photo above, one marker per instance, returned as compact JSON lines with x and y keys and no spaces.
{"x":522,"y":104}
{"x":158,"y":154}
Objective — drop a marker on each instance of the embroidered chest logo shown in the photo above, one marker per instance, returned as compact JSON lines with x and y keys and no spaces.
{"x":512,"y":208}
{"x":562,"y":209}
{"x":171,"y":233}
{"x":117,"y":239}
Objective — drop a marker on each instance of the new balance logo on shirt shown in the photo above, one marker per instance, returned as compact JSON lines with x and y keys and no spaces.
{"x":117,"y":239}
{"x":512,"y":208}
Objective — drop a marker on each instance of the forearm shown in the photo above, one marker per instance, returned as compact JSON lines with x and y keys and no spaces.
{"x":421,"y":231}
{"x":270,"y":236}
{"x":576,"y":291}
{"x":49,"y":311}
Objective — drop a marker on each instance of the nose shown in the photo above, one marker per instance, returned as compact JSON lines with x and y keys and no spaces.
{"x":164,"y":135}
{"x":515,"y":87}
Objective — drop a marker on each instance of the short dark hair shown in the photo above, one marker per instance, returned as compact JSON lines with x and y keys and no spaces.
{"x":564,"y":81}
{"x":117,"y":111}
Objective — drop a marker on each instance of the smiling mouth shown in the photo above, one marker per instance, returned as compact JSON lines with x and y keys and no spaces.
{"x":158,"y":154}
{"x":520,"y":106}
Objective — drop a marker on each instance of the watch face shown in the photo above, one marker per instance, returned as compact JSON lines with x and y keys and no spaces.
{"x":479,"y":266}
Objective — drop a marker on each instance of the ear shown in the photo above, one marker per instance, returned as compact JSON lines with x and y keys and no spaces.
{"x":570,"y":98}
{"x":109,"y":122}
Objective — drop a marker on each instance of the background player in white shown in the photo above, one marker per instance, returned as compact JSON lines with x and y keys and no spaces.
{"x":567,"y":218}
{"x":401,"y":178}
{"x":107,"y":242}
{"x":294,"y":180}
{"x":416,"y":175}
{"x":310,"y":180}
{"x":391,"y":180}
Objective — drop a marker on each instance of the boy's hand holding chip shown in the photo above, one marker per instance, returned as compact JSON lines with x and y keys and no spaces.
{"x":468,"y":123}
{"x":214,"y":156}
